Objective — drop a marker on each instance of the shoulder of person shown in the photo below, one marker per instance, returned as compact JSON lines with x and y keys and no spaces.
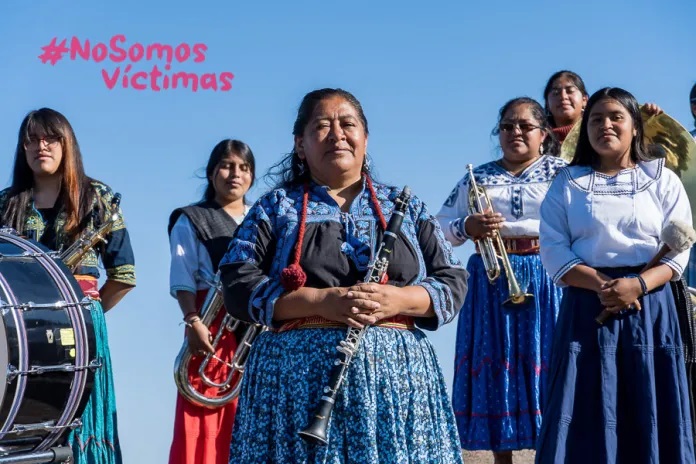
{"x":390,"y":193}
{"x":655,"y":169}
{"x":102,"y":191}
{"x":555,"y":162}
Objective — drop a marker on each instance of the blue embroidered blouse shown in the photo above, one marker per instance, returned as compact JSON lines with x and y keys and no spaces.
{"x":336,"y":252}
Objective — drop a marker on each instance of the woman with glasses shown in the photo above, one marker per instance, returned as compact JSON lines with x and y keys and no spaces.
{"x":502,"y":353}
{"x":52,"y":200}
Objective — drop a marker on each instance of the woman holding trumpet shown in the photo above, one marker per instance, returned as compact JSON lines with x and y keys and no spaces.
{"x":618,"y":392}
{"x":199,"y":235}
{"x":502,"y":349}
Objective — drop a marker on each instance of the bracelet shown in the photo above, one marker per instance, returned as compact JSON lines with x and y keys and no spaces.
{"x":643,"y":285}
{"x":190,"y":318}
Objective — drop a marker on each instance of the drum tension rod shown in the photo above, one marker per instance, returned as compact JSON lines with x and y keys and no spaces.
{"x":48,"y":426}
{"x":31,"y":305}
{"x":25,"y":254}
{"x":12,"y":371}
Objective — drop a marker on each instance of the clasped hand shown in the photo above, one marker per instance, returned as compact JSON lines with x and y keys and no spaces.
{"x":363,"y":303}
{"x":481,"y":225}
{"x":619,"y":294}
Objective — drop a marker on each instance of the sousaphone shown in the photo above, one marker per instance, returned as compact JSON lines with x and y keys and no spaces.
{"x":663,"y":130}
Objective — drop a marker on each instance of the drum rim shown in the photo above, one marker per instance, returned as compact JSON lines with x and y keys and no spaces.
{"x":4,"y":352}
{"x":23,"y":351}
{"x":79,"y":327}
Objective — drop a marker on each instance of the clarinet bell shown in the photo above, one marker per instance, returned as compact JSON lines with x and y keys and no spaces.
{"x":315,"y":432}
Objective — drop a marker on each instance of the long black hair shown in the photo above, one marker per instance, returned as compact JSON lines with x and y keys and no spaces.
{"x":76,"y":194}
{"x":550,"y":145}
{"x":585,"y":154}
{"x":571,"y":76}
{"x":220,"y":151}
{"x":291,"y":170}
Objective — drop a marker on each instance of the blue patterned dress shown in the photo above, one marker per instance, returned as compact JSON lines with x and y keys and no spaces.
{"x":394,"y":406}
{"x":502,"y":355}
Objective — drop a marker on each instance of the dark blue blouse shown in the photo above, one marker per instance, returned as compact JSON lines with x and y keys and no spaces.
{"x":337,"y":250}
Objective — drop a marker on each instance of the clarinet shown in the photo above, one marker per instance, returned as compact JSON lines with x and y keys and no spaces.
{"x":315,"y":432}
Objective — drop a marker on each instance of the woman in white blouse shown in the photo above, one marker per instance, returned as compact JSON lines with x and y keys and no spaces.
{"x":501,"y":353}
{"x":199,"y":235}
{"x":618,"y":392}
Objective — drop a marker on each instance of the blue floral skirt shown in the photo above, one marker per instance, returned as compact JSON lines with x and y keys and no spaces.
{"x":96,"y":441}
{"x":617,"y":392}
{"x":393,"y":407}
{"x":502,"y":357}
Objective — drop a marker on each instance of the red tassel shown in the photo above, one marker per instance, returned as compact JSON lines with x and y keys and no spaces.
{"x":293,"y":277}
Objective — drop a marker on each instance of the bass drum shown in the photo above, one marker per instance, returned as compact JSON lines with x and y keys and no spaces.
{"x":47,"y":347}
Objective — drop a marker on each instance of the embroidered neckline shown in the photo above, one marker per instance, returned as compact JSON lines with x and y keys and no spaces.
{"x":523,"y":174}
{"x":609,"y":176}
{"x":643,"y":175}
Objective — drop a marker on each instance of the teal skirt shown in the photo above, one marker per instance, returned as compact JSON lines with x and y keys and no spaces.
{"x":96,"y":441}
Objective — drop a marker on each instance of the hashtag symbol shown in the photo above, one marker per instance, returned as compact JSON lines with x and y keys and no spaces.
{"x":53,"y":52}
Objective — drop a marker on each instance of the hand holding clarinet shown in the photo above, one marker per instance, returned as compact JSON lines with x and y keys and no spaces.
{"x":316,"y":431}
{"x":676,"y":236}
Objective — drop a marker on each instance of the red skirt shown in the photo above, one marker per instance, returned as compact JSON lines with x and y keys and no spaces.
{"x":203,"y":435}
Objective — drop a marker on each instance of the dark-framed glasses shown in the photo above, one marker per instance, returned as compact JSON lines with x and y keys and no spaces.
{"x":524,"y":127}
{"x":34,"y":141}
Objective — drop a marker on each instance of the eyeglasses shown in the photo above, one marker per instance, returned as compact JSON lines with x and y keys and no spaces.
{"x":34,"y":141}
{"x":523,"y":126}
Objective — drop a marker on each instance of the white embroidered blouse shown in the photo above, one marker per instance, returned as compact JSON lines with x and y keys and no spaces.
{"x":610,"y":221}
{"x":189,"y":257}
{"x":517,"y":198}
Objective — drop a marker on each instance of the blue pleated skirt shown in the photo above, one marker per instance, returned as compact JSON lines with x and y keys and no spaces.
{"x":96,"y":441}
{"x":617,"y":392}
{"x":502,"y":357}
{"x":393,"y":408}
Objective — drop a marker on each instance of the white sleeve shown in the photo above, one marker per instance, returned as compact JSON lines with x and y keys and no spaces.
{"x":453,"y":213}
{"x":554,"y":233}
{"x":675,"y":206}
{"x":183,"y":245}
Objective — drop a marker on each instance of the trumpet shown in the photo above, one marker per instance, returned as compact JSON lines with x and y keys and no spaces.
{"x":492,"y":249}
{"x":230,"y":387}
{"x":73,"y":255}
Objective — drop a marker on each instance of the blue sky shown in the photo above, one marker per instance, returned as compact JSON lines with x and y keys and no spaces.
{"x":431,"y":77}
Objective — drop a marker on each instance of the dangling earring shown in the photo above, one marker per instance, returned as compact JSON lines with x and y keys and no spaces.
{"x":302,"y":169}
{"x":367,"y":163}
{"x":541,"y":150}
